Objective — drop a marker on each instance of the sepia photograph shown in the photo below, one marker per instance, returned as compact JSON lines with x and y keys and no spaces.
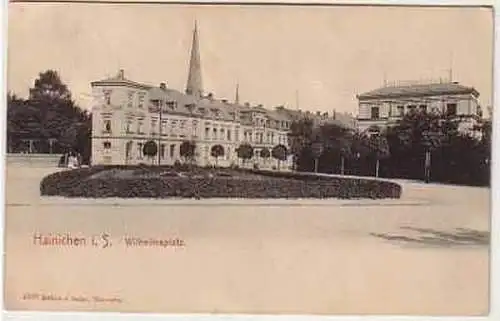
{"x":248,"y":158}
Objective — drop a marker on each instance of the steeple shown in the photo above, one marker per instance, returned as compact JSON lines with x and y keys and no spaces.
{"x":194,"y":84}
{"x":237,"y":95}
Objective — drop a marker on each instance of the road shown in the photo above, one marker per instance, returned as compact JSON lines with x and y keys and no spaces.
{"x":402,"y":256}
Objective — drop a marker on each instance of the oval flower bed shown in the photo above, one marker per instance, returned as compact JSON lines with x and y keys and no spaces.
{"x":154,"y":182}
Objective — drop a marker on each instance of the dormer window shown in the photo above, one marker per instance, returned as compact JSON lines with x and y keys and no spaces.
{"x":172,"y":104}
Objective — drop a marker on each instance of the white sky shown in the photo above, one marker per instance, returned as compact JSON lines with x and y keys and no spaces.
{"x":328,"y":54}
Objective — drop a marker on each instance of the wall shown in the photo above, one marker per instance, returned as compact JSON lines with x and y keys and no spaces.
{"x":33,"y":160}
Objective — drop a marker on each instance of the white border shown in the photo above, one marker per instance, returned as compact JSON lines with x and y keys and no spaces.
{"x":495,"y":227}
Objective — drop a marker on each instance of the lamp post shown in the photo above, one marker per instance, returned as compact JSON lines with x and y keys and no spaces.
{"x":160,"y":103}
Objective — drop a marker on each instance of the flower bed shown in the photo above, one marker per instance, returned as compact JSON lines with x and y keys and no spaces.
{"x":245,"y":184}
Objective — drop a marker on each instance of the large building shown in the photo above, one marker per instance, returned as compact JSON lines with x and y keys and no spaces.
{"x":384,"y":106}
{"x":127,"y":114}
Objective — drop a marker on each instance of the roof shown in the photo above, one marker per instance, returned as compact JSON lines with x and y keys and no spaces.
{"x":432,"y":89}
{"x":206,"y":107}
{"x":120,"y":80}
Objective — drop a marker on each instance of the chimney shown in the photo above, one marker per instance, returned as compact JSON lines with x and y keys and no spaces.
{"x":163,"y":86}
{"x":247,"y":104}
{"x":210,"y":96}
{"x":224,"y":101}
{"x":121,"y":74}
{"x":318,"y":113}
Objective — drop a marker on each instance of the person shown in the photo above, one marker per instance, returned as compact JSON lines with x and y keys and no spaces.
{"x":72,"y":160}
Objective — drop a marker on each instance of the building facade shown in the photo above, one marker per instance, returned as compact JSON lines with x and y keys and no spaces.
{"x":127,"y":114}
{"x":384,"y":106}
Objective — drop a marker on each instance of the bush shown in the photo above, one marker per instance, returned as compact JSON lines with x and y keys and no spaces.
{"x":76,"y":183}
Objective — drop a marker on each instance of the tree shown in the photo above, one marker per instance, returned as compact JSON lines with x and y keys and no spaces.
{"x":187,"y":150}
{"x":279,"y":152}
{"x":416,"y":137}
{"x":245,"y":152}
{"x":150,"y":149}
{"x":265,"y":153}
{"x":379,"y":149}
{"x":48,"y":115}
{"x":217,"y":151}
{"x":49,"y":86}
{"x":300,"y":136}
{"x":336,"y":140}
{"x":317,"y":150}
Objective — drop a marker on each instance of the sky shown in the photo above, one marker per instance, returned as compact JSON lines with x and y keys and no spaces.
{"x":318,"y":58}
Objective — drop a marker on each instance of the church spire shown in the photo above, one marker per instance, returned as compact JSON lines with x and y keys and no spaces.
{"x":194,"y":84}
{"x":237,"y":95}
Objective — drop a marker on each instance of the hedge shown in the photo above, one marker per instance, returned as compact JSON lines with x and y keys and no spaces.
{"x":76,"y":183}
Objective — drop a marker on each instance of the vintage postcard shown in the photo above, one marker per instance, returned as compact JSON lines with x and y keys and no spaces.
{"x":253,"y":159}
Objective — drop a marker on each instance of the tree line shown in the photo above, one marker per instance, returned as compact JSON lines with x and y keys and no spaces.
{"x":245,"y":152}
{"x":48,"y":121}
{"x":423,"y":146}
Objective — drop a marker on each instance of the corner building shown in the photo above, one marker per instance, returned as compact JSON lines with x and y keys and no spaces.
{"x":385,"y":106}
{"x":127,"y":114}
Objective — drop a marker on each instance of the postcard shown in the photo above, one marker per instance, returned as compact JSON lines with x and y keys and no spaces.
{"x":248,"y":159}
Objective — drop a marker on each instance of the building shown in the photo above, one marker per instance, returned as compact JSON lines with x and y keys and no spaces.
{"x":384,"y":106}
{"x":127,"y":114}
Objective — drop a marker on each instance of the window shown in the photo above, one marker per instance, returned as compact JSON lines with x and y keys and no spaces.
{"x":162,"y":151}
{"x":207,"y":133}
{"x":268,"y":138}
{"x":141,"y":100}
{"x":164,"y":128}
{"x":154,"y":124}
{"x":107,"y":126}
{"x":172,"y":150}
{"x":375,"y":113}
{"x":130,"y":99}
{"x":411,"y":108}
{"x":451,"y":109}
{"x":222,"y":134}
{"x":173,"y":127}
{"x":139,"y":150}
{"x":237,"y":134}
{"x":422,"y":108}
{"x":401,"y":110}
{"x":214,"y":134}
{"x":182,"y":128}
{"x":107,"y":146}
{"x":261,"y":138}
{"x":107,"y":97}
{"x":229,"y":135}
{"x":194,"y":126}
{"x":140,"y":126}
{"x":128,"y":126}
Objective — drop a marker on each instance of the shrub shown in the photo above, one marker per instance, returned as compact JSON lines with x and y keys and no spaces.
{"x":262,"y":184}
